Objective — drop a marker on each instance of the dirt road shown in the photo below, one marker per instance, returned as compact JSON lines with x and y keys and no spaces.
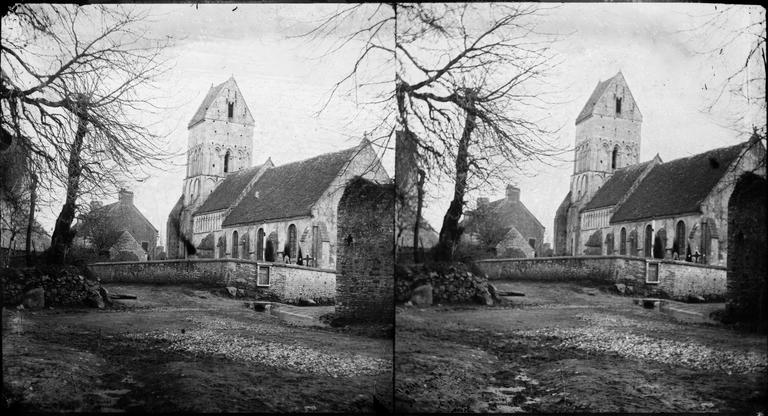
{"x":565,"y":348}
{"x":177,"y":349}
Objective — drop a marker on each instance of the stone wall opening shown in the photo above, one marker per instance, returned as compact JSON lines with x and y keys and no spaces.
{"x":365,"y":267}
{"x":747,"y":253}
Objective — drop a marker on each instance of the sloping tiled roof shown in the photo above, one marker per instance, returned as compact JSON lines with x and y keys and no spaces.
{"x":200,"y":113}
{"x":119,"y":214}
{"x":290,"y":190}
{"x":510,"y":214}
{"x":126,"y":242}
{"x":228,"y":190}
{"x":596,"y":94}
{"x":616,"y":187}
{"x":678,"y":186}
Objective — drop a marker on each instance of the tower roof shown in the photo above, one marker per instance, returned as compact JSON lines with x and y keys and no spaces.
{"x":589,"y":106}
{"x":213,"y":92}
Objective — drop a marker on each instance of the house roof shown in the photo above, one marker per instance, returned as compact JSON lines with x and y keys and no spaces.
{"x":678,"y":186}
{"x":207,"y":101}
{"x":617,"y":186}
{"x":118,"y":213}
{"x":228,"y":190}
{"x":126,"y":242}
{"x":290,"y":190}
{"x":589,"y":106}
{"x":510,"y":215}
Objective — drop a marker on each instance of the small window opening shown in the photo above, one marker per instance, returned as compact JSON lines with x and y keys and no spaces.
{"x":226,"y":162}
{"x":230,"y":110}
{"x":618,"y":105}
{"x":614,"y":157}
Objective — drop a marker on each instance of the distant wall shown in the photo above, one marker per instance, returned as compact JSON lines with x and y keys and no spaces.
{"x":676,"y":279}
{"x":287,"y":283}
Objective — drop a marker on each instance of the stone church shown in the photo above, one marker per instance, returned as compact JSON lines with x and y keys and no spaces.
{"x":619,"y":206}
{"x":231,"y":209}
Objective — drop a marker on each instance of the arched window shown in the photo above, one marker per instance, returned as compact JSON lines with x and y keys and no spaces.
{"x":618,"y":105}
{"x":679,"y":245}
{"x":648,"y":247}
{"x":623,"y":242}
{"x":226,"y":162}
{"x":292,"y":241}
{"x":260,"y":244}
{"x":614,"y":157}
{"x":235,"y":245}
{"x":230,"y":110}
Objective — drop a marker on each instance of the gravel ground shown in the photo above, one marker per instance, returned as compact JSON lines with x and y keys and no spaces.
{"x":208,"y":336}
{"x":607,"y":333}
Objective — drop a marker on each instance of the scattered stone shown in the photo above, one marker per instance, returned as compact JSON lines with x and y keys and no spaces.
{"x":34,"y":299}
{"x":240,"y":293}
{"x":494,"y":293}
{"x":422,"y":295}
{"x":232,"y":291}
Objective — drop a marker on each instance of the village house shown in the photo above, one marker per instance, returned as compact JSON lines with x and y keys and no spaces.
{"x":118,"y":230}
{"x":525,"y":234}
{"x":230,"y":209}
{"x":619,"y":206}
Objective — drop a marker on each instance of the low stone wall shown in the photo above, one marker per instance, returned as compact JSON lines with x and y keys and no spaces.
{"x":287,"y":283}
{"x":676,"y":279}
{"x":64,"y":286}
{"x":451,"y":283}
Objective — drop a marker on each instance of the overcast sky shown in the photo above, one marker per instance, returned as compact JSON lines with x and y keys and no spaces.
{"x":665,"y":72}
{"x":285,"y":85}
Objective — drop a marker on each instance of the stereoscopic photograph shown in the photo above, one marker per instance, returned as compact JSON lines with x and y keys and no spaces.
{"x":390,"y":208}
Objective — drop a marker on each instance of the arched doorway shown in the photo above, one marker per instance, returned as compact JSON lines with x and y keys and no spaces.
{"x":633,"y":243}
{"x":648,"y":246}
{"x":679,"y":247}
{"x":747,"y":274}
{"x":270,"y":251}
{"x":260,"y":244}
{"x":245,"y":243}
{"x":222,"y":245}
{"x":623,"y":242}
{"x":235,"y":245}
{"x":292,"y":242}
{"x":659,"y":244}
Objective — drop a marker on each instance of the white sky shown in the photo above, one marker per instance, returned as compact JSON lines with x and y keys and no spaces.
{"x":664,"y":73}
{"x":284,"y":87}
{"x":283,"y":82}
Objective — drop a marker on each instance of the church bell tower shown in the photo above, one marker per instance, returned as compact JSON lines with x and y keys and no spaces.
{"x":220,"y":141}
{"x":607,"y":137}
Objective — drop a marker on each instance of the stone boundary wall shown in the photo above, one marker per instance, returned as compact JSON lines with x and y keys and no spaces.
{"x":287,"y":282}
{"x":65,"y":286}
{"x":676,"y":279}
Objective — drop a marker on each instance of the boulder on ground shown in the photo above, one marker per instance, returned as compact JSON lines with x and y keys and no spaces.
{"x":422,"y":295}
{"x":105,"y":295}
{"x":307,"y":302}
{"x":494,"y":293}
{"x":34,"y":298}
{"x":94,"y":299}
{"x":621,"y":288}
{"x":232,"y":291}
{"x":486,"y":297}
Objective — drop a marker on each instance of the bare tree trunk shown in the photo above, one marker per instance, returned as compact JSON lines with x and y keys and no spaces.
{"x":62,"y":233}
{"x":31,"y":218}
{"x":450,"y":233}
{"x":417,"y":225}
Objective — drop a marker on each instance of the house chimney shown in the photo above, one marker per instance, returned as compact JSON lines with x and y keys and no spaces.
{"x":513,"y":193}
{"x":481,"y":202}
{"x":125,"y":197}
{"x":95,"y":205}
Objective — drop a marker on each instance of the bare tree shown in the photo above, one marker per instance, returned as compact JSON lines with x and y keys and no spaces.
{"x":74,"y":86}
{"x":467,"y":76}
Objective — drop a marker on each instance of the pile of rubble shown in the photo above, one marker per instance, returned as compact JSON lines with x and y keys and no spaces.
{"x":35,"y":288}
{"x":424,"y":284}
